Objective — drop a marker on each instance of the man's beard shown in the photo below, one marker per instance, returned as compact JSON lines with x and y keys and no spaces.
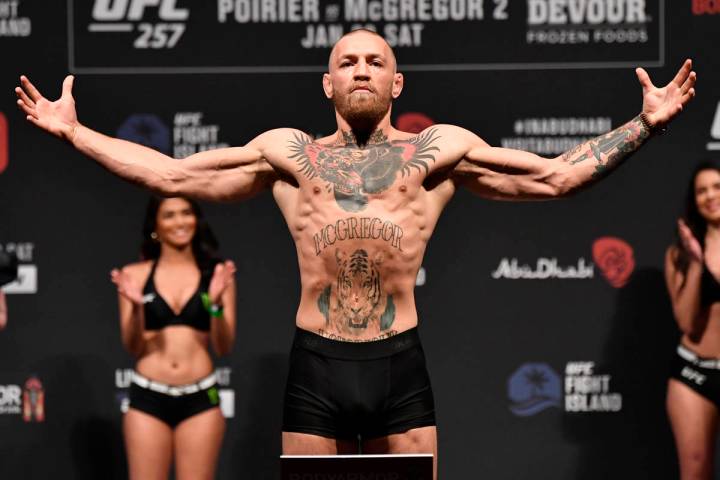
{"x":363,"y":111}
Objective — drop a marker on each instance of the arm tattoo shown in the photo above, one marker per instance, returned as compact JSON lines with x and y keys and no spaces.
{"x":359,"y":303}
{"x":352,"y":173}
{"x":610,"y":149}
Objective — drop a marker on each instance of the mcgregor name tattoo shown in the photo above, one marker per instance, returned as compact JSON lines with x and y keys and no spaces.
{"x":358,"y":228}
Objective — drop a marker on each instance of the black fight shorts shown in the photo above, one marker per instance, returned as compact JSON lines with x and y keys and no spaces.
{"x":173,"y":404}
{"x":698,"y":373}
{"x":343,"y":390}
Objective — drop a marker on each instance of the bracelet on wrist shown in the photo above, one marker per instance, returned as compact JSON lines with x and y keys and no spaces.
{"x":213,"y":309}
{"x":650,"y":127}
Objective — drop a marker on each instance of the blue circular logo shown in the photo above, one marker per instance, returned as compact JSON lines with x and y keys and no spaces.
{"x":533,"y":388}
{"x":146,"y":129}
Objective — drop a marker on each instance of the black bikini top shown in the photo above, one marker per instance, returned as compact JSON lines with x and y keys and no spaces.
{"x":159,"y":315}
{"x":709,"y":287}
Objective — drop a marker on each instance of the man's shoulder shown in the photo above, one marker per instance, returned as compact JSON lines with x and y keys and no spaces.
{"x":439,"y":130}
{"x":284,"y":133}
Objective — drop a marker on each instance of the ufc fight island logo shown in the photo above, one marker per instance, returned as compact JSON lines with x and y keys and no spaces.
{"x":154,"y":24}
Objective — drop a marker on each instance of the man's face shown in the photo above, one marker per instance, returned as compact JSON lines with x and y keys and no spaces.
{"x":362,"y":81}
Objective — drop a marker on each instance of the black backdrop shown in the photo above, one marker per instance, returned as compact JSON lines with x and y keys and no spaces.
{"x":559,"y":376}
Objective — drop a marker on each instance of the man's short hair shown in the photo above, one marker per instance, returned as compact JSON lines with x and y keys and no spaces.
{"x":366,"y":30}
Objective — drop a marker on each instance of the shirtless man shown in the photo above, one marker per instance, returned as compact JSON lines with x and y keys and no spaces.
{"x":361,"y":205}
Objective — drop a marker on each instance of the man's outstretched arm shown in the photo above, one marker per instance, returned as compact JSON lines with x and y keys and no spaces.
{"x":223,"y":174}
{"x":511,"y":174}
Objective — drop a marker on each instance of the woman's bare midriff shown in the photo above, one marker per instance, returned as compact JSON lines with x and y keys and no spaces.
{"x":175,"y":355}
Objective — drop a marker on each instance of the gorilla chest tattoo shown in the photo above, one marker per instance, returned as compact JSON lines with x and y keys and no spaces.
{"x":353,"y":173}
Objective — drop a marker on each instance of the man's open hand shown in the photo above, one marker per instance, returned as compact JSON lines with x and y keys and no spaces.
{"x":661,"y":105}
{"x":58,"y":117}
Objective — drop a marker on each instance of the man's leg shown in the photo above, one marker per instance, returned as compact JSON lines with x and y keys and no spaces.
{"x":417,"y":440}
{"x":294,"y":443}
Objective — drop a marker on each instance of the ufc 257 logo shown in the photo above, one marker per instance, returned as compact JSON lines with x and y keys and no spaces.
{"x":117,"y":16}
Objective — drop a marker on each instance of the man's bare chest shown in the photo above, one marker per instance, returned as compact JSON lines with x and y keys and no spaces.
{"x":354,"y":176}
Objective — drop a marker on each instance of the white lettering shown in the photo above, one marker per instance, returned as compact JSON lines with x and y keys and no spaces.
{"x":10,"y":395}
{"x":591,"y":12}
{"x":545,"y":268}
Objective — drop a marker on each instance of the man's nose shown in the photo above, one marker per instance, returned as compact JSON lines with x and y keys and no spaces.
{"x":361,"y":71}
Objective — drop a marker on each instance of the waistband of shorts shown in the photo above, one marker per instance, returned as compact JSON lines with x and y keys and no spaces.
{"x":690,"y":356}
{"x":174,"y":390}
{"x":356,"y":350}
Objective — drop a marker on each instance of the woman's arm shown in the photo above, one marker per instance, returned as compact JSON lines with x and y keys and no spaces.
{"x":130,"y":304}
{"x":684,"y":293}
{"x":221,"y":294}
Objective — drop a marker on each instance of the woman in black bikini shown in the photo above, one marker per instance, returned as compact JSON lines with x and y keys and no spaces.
{"x":692,"y":270}
{"x":173,"y":304}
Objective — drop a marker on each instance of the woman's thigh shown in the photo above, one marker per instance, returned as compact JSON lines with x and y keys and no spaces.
{"x":148,"y":443}
{"x":197,"y":445}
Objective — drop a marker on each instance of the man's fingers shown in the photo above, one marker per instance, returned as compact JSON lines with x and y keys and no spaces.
{"x":683,"y":73}
{"x":28,"y":111}
{"x":34,"y":121}
{"x":23,"y":96}
{"x":689,"y":83}
{"x":688,"y":96}
{"x":68,"y":85}
{"x":30,"y":88}
{"x":644,"y":79}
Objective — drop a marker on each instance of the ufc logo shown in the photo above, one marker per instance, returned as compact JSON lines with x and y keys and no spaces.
{"x":116,"y":10}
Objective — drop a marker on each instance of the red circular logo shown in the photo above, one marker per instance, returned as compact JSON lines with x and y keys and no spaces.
{"x":413,"y":122}
{"x":615,"y":258}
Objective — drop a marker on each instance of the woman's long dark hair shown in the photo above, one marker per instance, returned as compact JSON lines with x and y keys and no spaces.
{"x":204,"y":242}
{"x":692,"y":217}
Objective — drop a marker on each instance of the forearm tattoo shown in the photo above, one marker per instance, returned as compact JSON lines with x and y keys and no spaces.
{"x":359,"y":303}
{"x":610,"y":149}
{"x":352,"y":172}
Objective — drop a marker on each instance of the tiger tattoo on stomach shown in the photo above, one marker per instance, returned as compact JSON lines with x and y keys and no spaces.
{"x":357,"y":304}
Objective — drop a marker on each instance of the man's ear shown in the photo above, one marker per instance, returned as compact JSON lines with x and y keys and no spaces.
{"x":327,"y":85}
{"x":398,"y":83}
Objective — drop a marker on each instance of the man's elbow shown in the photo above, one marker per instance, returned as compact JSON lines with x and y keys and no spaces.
{"x":562,"y":184}
{"x":171,"y":184}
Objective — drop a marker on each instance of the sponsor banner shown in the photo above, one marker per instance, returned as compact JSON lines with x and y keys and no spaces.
{"x":551,"y":136}
{"x":544,"y":268}
{"x":4,"y":157}
{"x":12,"y":22}
{"x":224,"y":395}
{"x":190,"y":133}
{"x":180,"y":36}
{"x":613,"y":256}
{"x":22,"y":396}
{"x":714,"y":143}
{"x":27,"y":281}
{"x":535,"y":387}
